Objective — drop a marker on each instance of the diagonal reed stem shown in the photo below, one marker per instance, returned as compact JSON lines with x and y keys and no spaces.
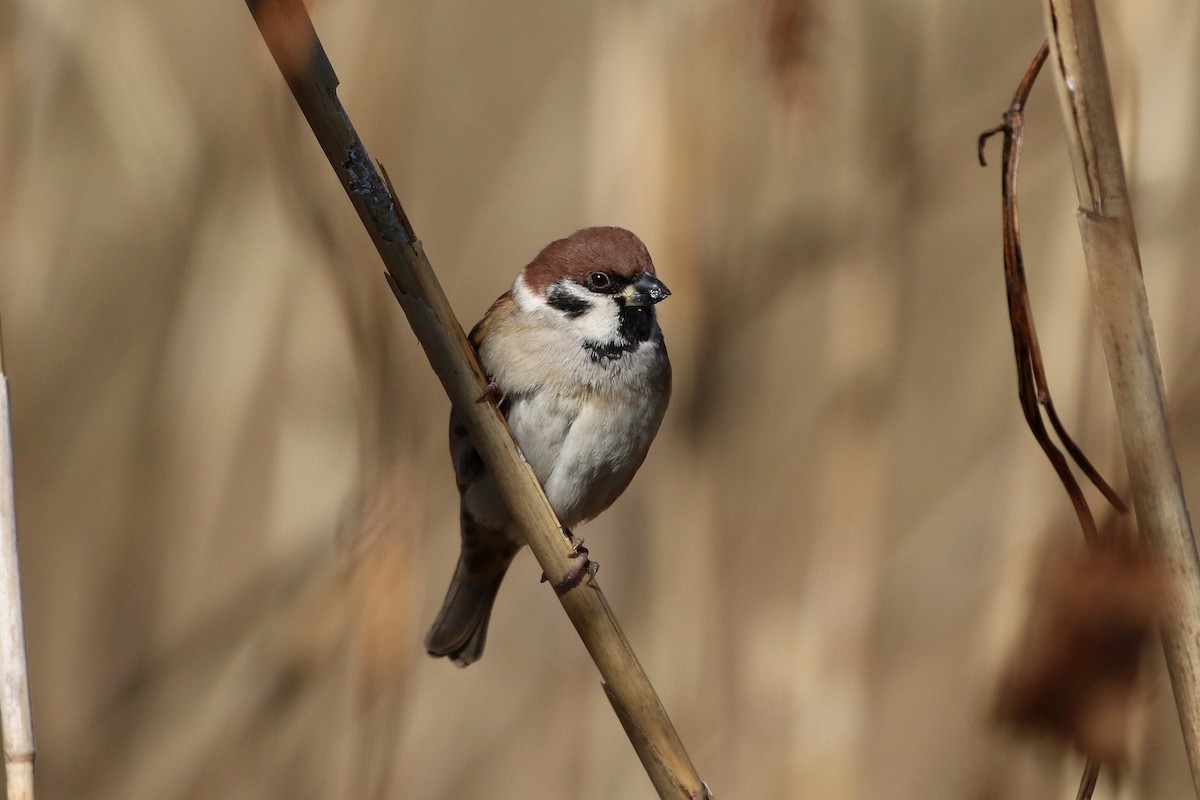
{"x":289,"y":34}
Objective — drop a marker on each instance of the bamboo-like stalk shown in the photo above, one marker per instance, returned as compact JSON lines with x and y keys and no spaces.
{"x":288,"y":32}
{"x":16,"y":718}
{"x":1119,"y":293}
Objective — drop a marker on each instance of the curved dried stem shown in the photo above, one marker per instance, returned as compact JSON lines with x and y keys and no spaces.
{"x":1033,"y":388}
{"x":1032,"y":385}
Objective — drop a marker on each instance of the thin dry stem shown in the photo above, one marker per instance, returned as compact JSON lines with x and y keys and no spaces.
{"x":15,"y":713}
{"x":1032,"y":383}
{"x":1033,"y":387}
{"x":1127,"y":332}
{"x":1087,"y":783}
{"x":289,"y":35}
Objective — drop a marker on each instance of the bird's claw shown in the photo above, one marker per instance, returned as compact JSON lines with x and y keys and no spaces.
{"x":491,"y":392}
{"x":580,"y":564}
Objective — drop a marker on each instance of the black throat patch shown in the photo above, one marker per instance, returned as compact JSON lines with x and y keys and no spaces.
{"x":635,"y":324}
{"x":604,"y":352}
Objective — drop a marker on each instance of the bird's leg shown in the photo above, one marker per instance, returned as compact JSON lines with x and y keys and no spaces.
{"x":580,"y":563}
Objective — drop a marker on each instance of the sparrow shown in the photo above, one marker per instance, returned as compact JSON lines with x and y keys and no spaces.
{"x":577,"y":362}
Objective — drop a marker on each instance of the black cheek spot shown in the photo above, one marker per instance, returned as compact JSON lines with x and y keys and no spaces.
{"x":567,"y":303}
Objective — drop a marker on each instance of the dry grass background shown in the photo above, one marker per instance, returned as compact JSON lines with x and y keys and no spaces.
{"x":236,"y":508}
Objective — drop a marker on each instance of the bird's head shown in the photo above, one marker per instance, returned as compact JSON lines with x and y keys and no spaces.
{"x":597,"y":282}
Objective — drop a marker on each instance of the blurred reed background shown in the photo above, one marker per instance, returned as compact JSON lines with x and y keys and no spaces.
{"x":236,"y":507}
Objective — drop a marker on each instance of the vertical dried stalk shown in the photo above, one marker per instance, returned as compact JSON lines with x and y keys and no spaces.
{"x":1110,"y":247}
{"x":17,"y":720}
{"x":288,"y":32}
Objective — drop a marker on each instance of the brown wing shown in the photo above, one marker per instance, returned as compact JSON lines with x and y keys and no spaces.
{"x":501,"y":308}
{"x":468,"y":466}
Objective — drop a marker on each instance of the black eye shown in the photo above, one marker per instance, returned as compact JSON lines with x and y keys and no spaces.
{"x":598,"y":281}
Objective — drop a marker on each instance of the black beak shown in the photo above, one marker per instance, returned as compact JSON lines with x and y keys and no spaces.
{"x":646,"y":292}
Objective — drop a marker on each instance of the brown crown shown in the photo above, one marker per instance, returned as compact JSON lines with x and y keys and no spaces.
{"x":613,"y":250}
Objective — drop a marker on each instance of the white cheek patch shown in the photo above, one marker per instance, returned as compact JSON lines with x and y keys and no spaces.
{"x":598,"y":323}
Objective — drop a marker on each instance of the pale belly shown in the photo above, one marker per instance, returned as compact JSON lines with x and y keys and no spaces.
{"x":584,"y":426}
{"x":584,"y":453}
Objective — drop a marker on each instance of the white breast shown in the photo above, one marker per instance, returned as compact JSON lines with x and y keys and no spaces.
{"x":583,"y":424}
{"x":585,"y":449}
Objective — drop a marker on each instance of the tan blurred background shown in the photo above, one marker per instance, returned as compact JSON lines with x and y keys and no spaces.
{"x":236,"y":511}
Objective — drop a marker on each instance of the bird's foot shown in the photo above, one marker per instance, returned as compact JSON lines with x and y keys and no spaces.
{"x":580,"y":564}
